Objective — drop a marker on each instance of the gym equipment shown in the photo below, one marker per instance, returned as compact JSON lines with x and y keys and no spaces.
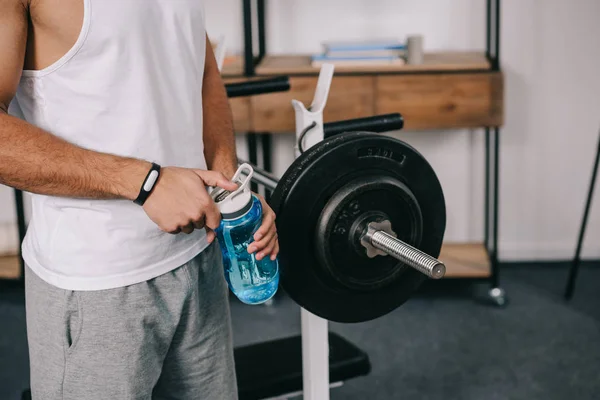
{"x":376,"y":124}
{"x":332,"y":259}
{"x":263,"y":86}
{"x":346,"y":203}
{"x":282,"y":375}
{"x":360,"y":218}
{"x":574,"y":269}
{"x":339,"y":275}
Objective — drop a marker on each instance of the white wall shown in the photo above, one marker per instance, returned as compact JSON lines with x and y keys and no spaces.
{"x":550,"y":56}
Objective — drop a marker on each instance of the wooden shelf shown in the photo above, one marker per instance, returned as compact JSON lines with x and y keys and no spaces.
{"x":444,"y":100}
{"x":432,"y":62}
{"x":426,"y":101}
{"x":435,"y":98}
{"x":300,"y":64}
{"x":468,"y":260}
{"x":10,"y":267}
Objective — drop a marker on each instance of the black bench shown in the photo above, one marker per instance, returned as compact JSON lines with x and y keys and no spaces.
{"x":274,"y":368}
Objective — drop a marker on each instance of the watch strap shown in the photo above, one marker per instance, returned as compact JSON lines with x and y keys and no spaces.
{"x":148,"y":185}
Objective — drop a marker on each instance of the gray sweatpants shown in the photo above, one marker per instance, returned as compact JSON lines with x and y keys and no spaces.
{"x":167,"y":338}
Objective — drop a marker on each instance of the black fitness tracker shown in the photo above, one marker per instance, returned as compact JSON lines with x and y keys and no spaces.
{"x":148,"y":185}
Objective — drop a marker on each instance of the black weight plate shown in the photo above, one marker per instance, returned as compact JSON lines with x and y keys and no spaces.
{"x":344,"y":220}
{"x":303,"y":192}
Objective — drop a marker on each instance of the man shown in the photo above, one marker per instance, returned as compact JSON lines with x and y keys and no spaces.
{"x":126,"y":124}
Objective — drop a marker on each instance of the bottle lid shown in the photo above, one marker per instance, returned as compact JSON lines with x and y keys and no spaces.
{"x":237,"y":203}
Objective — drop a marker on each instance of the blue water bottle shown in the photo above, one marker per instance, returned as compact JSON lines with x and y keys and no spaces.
{"x":252,"y":281}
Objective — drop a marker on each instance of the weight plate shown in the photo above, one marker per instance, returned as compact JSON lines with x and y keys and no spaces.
{"x":344,"y":220}
{"x":329,"y":289}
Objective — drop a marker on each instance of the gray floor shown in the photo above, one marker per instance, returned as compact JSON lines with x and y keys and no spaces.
{"x":446,"y":343}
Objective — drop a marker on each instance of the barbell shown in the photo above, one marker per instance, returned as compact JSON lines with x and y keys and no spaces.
{"x":361,"y":220}
{"x":257,"y":87}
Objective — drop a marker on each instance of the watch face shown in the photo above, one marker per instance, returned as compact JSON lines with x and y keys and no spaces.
{"x":148,"y":184}
{"x":152,"y":178}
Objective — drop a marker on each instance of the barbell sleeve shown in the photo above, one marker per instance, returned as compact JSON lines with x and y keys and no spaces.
{"x":377,"y":124}
{"x":406,"y":253}
{"x":256,"y":87}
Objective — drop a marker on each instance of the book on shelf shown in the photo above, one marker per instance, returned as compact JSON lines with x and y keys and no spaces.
{"x":365,"y":54}
{"x":370,"y":45}
{"x":360,"y":53}
{"x":356,"y":60}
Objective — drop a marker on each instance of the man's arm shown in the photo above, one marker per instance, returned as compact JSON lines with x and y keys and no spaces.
{"x":39,"y":162}
{"x":219,"y":139}
{"x":220,"y":152}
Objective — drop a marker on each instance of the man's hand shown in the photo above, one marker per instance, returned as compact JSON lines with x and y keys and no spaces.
{"x":180,"y":201}
{"x":266,"y":242}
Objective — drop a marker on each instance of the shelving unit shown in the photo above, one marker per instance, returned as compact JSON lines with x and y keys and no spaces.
{"x":449,"y":90}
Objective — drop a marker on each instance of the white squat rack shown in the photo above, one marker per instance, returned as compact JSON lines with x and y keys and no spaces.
{"x":315,"y":331}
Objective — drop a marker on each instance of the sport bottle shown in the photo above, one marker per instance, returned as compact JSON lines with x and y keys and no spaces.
{"x":252,"y":281}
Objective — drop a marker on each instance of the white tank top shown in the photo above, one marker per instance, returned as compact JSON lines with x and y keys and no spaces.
{"x":132,"y":86}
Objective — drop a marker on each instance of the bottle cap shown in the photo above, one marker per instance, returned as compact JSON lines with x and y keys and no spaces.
{"x":237,"y":203}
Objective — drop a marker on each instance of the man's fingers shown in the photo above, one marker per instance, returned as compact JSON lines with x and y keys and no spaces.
{"x":267,"y":225}
{"x":210,"y":235}
{"x":266,"y":207}
{"x":189,"y":228}
{"x":200,"y":222}
{"x":275,"y":251}
{"x":263,"y":242}
{"x":267,"y":250}
{"x":212,"y":216}
{"x":215,"y":179}
{"x":266,"y":242}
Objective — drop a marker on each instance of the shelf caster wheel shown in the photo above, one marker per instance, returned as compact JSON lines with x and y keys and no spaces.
{"x":498,"y":297}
